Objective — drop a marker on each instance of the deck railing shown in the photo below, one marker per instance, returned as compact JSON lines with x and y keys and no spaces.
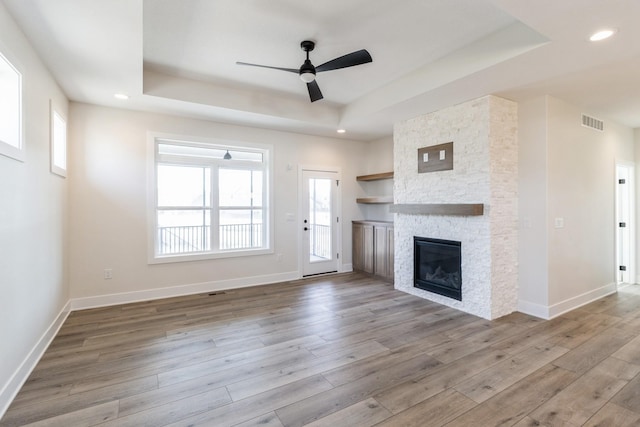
{"x":186,"y":239}
{"x":320,"y":240}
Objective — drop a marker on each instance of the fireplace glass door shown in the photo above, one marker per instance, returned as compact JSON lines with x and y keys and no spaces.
{"x":437,"y":266}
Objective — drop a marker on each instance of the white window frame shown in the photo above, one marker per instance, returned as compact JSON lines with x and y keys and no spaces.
{"x":10,"y":149}
{"x":153,"y":139}
{"x":55,"y":143}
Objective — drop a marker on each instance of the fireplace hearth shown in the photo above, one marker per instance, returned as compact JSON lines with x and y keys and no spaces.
{"x":437,"y":266}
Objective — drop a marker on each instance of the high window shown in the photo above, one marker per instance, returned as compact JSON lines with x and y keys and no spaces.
{"x":11,"y":144}
{"x":58,"y":142}
{"x":209,"y":200}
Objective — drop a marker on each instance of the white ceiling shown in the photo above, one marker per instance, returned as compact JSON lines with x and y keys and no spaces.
{"x":178,"y":56}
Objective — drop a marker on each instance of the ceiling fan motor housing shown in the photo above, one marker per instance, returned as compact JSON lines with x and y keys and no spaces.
{"x":307,"y":70}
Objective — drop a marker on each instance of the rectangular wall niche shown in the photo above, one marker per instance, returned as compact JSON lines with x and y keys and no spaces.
{"x":435,"y":158}
{"x":437,"y":266}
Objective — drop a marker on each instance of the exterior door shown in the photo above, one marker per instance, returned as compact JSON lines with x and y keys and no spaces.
{"x":319,"y":217}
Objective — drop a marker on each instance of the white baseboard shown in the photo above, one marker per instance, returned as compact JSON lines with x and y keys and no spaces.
{"x":555,"y":310}
{"x":580,"y":300}
{"x":533,"y":309}
{"x":20,"y":376}
{"x":176,"y":291}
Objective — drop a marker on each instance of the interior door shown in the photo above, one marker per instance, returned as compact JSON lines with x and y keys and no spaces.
{"x":319,"y":215}
{"x":624,"y":224}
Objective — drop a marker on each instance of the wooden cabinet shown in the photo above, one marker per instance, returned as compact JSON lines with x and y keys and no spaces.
{"x":390,"y":253}
{"x":373,"y":248}
{"x":363,"y":247}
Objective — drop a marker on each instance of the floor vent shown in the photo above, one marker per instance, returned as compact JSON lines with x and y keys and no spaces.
{"x":592,"y":122}
{"x":217,"y":293}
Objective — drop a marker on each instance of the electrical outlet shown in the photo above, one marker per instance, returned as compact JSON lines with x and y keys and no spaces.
{"x":108,"y":274}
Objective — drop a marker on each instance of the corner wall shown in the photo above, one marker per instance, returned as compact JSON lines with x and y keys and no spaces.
{"x":33,"y":226}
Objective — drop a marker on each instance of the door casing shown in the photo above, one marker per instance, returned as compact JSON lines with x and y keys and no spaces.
{"x":302,"y":206}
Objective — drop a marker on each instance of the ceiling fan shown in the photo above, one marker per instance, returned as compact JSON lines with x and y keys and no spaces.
{"x":308,"y":72}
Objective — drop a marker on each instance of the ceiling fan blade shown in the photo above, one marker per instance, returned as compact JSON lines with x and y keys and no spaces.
{"x":349,"y":60}
{"x":291,"y":70}
{"x":314,"y":91}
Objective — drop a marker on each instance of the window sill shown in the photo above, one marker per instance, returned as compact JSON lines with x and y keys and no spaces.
{"x":166,"y":259}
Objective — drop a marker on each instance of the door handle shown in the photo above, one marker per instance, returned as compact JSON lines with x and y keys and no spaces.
{"x":305,"y":229}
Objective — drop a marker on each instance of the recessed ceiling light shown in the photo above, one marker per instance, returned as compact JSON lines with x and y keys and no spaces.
{"x":601,"y":35}
{"x":121,"y":95}
{"x":341,"y":130}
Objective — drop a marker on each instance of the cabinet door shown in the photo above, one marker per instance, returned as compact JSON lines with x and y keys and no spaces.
{"x":367,"y":248}
{"x":357,"y":234}
{"x":381,"y":251}
{"x":391,"y":253}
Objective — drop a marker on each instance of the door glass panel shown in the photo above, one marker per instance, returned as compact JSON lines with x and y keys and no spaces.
{"x":319,"y":219}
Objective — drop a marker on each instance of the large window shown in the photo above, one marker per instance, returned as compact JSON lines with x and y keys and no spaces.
{"x":209,"y":200}
{"x":11,"y":144}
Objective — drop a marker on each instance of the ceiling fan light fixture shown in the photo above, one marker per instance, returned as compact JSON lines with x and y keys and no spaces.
{"x":307,"y":77}
{"x":227,"y":156}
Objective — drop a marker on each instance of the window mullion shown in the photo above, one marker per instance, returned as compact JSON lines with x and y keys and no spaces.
{"x":214,"y":211}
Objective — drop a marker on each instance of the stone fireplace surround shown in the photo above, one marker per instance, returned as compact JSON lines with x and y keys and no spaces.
{"x":485,"y":171}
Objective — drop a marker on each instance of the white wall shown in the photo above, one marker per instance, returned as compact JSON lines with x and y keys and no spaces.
{"x":33,"y":225}
{"x":533,"y":286}
{"x":576,"y":183}
{"x":108,"y":196}
{"x":582,"y":191}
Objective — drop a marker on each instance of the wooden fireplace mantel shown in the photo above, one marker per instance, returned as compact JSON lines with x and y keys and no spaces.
{"x":460,"y":209}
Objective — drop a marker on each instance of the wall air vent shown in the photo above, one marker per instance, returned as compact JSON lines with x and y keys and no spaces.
{"x":592,"y":122}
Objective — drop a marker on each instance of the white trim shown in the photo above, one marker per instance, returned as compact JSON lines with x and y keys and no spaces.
{"x":165,"y":259}
{"x":580,"y":300}
{"x":346,"y":268}
{"x":268,"y":207}
{"x":631,"y":221}
{"x":7,"y":149}
{"x":20,"y":376}
{"x":533,"y":309}
{"x":549,"y":312}
{"x":301,"y":212}
{"x":179,"y":290}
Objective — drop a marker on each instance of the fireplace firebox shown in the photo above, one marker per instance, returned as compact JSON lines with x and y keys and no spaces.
{"x":437,"y":266}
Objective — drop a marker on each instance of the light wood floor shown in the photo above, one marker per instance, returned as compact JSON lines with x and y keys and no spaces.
{"x":345,"y":350}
